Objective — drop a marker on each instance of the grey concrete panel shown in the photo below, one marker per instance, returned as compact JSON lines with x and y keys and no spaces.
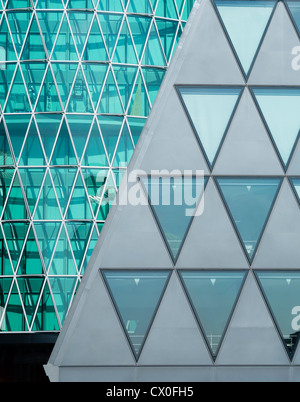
{"x":296,"y":360}
{"x":179,"y":375}
{"x":155,"y":375}
{"x":251,"y":338}
{"x":252,"y":374}
{"x":247,"y":148}
{"x":208,"y":57}
{"x":273,"y":65}
{"x":134,"y":240}
{"x":279,"y":247}
{"x":212,"y":241}
{"x":295,"y":374}
{"x":294,"y":166}
{"x":97,"y":337}
{"x":175,"y":338}
{"x":172,"y":142}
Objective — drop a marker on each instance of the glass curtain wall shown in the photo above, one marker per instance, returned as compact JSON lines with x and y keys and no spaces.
{"x":78,"y":79}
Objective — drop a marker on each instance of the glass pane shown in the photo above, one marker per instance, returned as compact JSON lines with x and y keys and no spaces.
{"x":79,"y":235}
{"x":125,"y":148}
{"x":33,"y":48}
{"x":14,"y":317}
{"x":167,"y":30}
{"x":49,"y":23}
{"x":245,"y":22}
{"x":95,"y":76}
{"x":32,"y":152}
{"x":125,"y":76}
{"x":139,"y":104}
{"x":110,"y":25}
{"x":213,"y":296}
{"x":6,"y":77}
{"x":153,"y":78}
{"x":110,"y":5}
{"x":125,"y":52}
{"x":48,"y":99}
{"x":63,"y":153}
{"x":280,"y":109}
{"x":107,"y":195}
{"x":15,"y":234}
{"x":62,"y":290}
{"x":18,"y":23}
{"x":139,"y":6}
{"x":30,"y":263}
{"x":95,"y":181}
{"x":15,"y":208}
{"x":64,"y":48}
{"x":166,"y":8}
{"x":139,"y":27}
{"x":17,"y":101}
{"x":210,"y":111}
{"x":174,"y":201}
{"x":46,"y":233}
{"x":46,"y":318}
{"x":281,"y":290}
{"x":32,"y":179}
{"x":64,"y":75}
{"x":5,"y":287}
{"x":30,"y":288}
{"x":95,"y":47}
{"x":6,"y":176}
{"x":62,"y":262}
{"x":80,"y":23}
{"x":110,"y":99}
{"x":249,"y":201}
{"x":296,"y":185}
{"x":136,"y":126}
{"x":63,"y":179}
{"x":7,"y":52}
{"x":94,"y":154}
{"x":79,"y":126}
{"x":5,"y":154}
{"x":79,"y":101}
{"x":136,"y":295}
{"x":79,"y":207}
{"x":48,"y":125}
{"x":110,"y":127}
{"x":153,"y":54}
{"x":47,"y":207}
{"x":17,"y":126}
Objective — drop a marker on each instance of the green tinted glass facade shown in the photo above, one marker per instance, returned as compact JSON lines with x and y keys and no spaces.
{"x":78,"y":79}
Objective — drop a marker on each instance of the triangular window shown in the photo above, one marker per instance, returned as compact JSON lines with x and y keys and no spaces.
{"x":210,"y":110}
{"x":281,"y":291}
{"x":213,"y":296}
{"x":249,"y":202}
{"x":245,"y":22}
{"x":136,"y":296}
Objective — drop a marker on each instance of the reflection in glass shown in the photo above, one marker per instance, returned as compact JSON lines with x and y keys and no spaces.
{"x":213,"y":296}
{"x":210,"y":110}
{"x":280,"y":109}
{"x":249,"y":201}
{"x":245,"y":22}
{"x":174,"y":201}
{"x":282,"y":290}
{"x":136,"y":295}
